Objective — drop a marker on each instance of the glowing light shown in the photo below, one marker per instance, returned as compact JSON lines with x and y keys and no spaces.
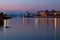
{"x":5,"y":23}
{"x":55,"y":13}
{"x":55,"y":23}
{"x":43,"y":14}
{"x":36,"y":23}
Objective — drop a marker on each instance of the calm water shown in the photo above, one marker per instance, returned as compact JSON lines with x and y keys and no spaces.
{"x":31,"y":29}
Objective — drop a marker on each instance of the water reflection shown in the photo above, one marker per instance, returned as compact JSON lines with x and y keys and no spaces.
{"x":36,"y":23}
{"x":5,"y":23}
{"x":23,"y":22}
{"x":47,"y":22}
{"x":4,"y":33}
{"x":32,"y":28}
{"x":55,"y":24}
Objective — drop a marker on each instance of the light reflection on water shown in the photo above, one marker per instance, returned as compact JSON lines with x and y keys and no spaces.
{"x":33,"y":29}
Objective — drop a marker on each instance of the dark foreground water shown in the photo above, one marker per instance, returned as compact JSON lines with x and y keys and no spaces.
{"x":31,"y":29}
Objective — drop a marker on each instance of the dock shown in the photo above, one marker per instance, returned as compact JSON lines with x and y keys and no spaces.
{"x":3,"y":17}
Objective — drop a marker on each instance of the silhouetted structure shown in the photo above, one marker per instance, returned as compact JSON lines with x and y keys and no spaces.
{"x":2,"y":17}
{"x":46,"y":12}
{"x":43,"y":14}
{"x":29,"y":14}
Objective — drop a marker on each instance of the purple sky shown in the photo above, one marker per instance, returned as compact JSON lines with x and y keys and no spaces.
{"x":13,"y":5}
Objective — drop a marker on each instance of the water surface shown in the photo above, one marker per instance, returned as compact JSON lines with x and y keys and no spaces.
{"x":32,"y":29}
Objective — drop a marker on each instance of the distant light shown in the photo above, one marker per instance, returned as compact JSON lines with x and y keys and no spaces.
{"x":55,"y":13}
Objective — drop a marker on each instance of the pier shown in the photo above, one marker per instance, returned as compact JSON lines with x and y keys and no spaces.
{"x":3,"y":17}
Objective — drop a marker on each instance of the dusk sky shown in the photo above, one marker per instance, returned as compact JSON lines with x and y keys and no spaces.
{"x":29,"y":5}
